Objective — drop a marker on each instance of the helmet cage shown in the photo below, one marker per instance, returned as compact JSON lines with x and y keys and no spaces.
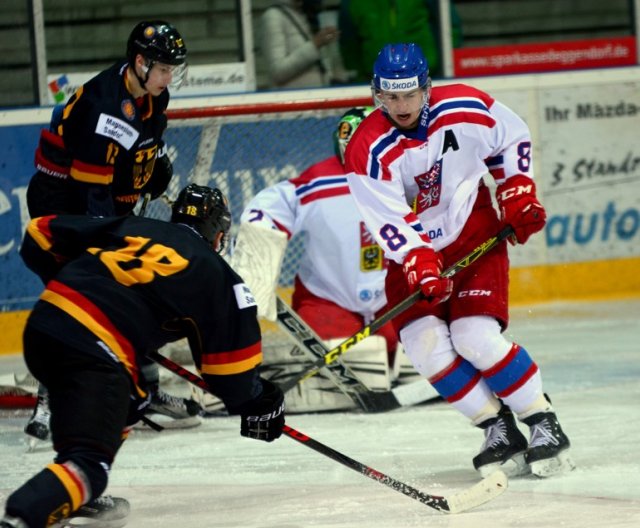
{"x":206,"y":210}
{"x":400,"y":68}
{"x":378,"y":98}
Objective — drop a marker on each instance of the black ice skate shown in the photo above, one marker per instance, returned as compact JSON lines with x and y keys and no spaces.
{"x":548,"y":452}
{"x":104,"y":512}
{"x":12,"y":522}
{"x":38,"y":425}
{"x":181,"y":412}
{"x":504,"y":446}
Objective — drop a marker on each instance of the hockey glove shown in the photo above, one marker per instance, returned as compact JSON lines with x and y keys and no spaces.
{"x":422,"y":267}
{"x":161,"y":175}
{"x":263,"y":418}
{"x":520,"y":208}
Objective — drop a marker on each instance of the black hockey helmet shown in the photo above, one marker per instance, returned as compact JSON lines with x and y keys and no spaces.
{"x":157,"y":41}
{"x":206,"y":210}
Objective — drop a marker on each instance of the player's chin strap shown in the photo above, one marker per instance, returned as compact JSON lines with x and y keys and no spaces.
{"x":480,"y":493}
{"x":146,"y":68}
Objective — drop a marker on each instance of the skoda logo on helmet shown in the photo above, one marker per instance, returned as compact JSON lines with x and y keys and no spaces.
{"x":399,"y":85}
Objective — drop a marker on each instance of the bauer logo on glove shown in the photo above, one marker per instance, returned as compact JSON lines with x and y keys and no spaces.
{"x":263,"y":418}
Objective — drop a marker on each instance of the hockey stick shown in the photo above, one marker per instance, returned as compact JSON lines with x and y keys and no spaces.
{"x":343,"y":376}
{"x":145,"y":202}
{"x":487,"y":489}
{"x":331,"y":355}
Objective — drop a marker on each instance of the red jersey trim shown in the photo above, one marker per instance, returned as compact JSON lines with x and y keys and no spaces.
{"x":95,"y":320}
{"x":232,"y":362}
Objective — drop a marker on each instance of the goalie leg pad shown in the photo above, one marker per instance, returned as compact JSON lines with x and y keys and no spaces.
{"x":316,"y":394}
{"x":369,"y":361}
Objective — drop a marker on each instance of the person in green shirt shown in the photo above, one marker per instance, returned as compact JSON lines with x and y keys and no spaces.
{"x":366,"y":26}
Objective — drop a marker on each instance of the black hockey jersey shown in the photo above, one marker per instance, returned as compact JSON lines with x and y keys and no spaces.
{"x":136,"y":284}
{"x":106,"y":142}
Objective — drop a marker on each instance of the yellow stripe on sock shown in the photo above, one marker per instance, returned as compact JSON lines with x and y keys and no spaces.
{"x":72,"y":484}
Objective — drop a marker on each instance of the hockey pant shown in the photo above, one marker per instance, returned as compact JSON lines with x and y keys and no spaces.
{"x":90,"y":405}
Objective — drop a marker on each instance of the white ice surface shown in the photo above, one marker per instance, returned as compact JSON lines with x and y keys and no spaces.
{"x":589,"y":355}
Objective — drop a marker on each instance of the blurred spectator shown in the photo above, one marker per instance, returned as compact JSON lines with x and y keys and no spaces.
{"x":292,"y":44}
{"x":366,"y":26}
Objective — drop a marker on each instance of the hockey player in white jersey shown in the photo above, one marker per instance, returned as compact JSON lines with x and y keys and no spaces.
{"x":339,"y":286}
{"x":415,"y":169}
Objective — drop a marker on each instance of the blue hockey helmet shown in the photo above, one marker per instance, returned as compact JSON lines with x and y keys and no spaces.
{"x":400,"y":68}
{"x":347,"y":125}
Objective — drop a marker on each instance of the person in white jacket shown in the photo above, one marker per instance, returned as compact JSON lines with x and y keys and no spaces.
{"x":293,"y":45}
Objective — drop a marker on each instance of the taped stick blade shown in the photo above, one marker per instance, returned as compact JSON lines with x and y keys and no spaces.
{"x":484,"y":491}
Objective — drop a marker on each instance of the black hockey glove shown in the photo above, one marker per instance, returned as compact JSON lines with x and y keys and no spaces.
{"x":161,"y":175}
{"x":263,"y":418}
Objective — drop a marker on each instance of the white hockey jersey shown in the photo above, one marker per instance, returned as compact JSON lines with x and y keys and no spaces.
{"x":341,"y":261}
{"x":418,"y":187}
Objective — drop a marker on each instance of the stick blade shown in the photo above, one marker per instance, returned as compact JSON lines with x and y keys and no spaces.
{"x":374,"y":402}
{"x":484,"y":491}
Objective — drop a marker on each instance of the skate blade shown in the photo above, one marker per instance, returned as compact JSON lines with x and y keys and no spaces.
{"x":35,"y":445}
{"x":551,"y":467}
{"x":514,"y":467}
{"x":88,"y":522}
{"x":169,"y":423}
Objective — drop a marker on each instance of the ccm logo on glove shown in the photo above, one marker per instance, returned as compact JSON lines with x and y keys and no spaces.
{"x":520,"y":208}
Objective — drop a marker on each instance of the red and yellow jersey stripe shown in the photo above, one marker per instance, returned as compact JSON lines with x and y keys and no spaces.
{"x":232,"y":362}
{"x":91,"y":317}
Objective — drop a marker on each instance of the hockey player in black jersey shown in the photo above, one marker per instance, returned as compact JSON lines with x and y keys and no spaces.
{"x":103,"y":150}
{"x":115,"y":288}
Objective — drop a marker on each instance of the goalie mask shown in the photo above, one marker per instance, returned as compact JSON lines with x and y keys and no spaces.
{"x":206,"y":210}
{"x":158,"y":42}
{"x":347,"y":125}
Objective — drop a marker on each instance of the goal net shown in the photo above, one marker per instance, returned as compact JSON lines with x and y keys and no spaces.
{"x":242,"y":149}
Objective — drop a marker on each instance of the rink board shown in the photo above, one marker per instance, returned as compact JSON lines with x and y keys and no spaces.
{"x":529,"y":285}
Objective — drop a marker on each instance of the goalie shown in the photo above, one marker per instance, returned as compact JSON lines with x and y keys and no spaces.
{"x":339,"y":286}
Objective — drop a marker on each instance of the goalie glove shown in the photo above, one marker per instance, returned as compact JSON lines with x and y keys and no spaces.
{"x":263,"y":418}
{"x":422,"y":267}
{"x":520,"y":208}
